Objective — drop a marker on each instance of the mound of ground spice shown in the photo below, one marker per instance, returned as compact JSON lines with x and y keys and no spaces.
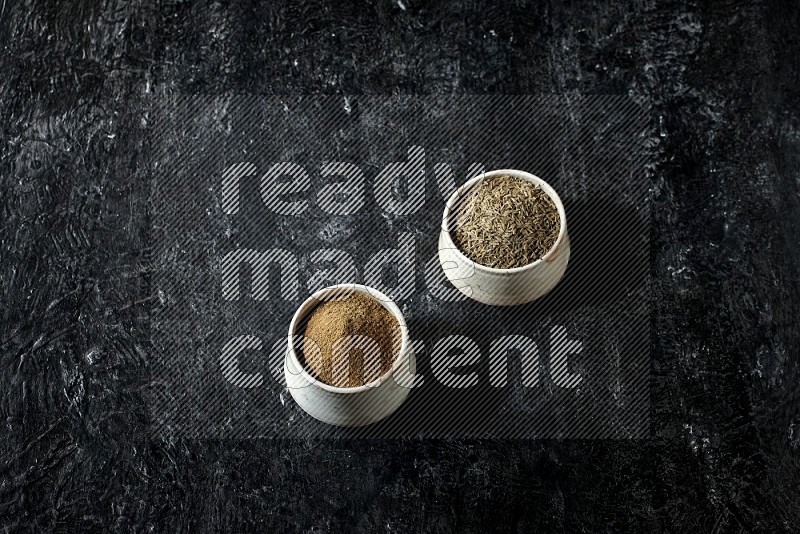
{"x":506,"y":222}
{"x":351,"y":341}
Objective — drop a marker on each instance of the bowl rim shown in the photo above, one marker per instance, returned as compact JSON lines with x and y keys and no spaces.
{"x":549,"y":191}
{"x":385,"y":301}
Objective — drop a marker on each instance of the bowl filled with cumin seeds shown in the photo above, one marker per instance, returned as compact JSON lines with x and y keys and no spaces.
{"x":349,"y":360}
{"x":504,"y":238}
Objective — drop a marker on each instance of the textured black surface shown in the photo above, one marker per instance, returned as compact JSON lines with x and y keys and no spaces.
{"x":77,"y":81}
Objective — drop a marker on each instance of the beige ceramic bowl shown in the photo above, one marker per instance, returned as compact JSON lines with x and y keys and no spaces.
{"x":349,"y":406}
{"x":503,"y":287}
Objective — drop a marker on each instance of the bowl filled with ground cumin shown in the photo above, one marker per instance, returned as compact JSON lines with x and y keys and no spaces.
{"x":504,"y":238}
{"x":349,"y":360}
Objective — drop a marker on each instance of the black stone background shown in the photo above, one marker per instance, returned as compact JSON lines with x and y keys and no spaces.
{"x":77,"y":81}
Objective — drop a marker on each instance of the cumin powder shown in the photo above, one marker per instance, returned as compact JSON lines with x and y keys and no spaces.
{"x":351,"y":341}
{"x":506,"y":222}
